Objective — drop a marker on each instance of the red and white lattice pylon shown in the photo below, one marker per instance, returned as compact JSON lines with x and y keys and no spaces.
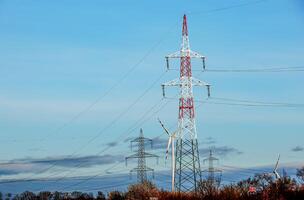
{"x":187,"y":165}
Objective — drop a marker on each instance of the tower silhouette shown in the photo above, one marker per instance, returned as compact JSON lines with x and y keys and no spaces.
{"x":141,"y":156}
{"x":187,"y":162}
{"x":213,"y":174}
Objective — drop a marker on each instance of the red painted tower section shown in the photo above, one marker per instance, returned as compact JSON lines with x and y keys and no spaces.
{"x":186,"y":105}
{"x":187,"y":173}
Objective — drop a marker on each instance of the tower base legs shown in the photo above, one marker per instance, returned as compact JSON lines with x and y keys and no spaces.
{"x":187,"y":165}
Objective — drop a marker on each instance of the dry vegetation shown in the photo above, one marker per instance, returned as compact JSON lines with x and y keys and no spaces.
{"x":266,"y":189}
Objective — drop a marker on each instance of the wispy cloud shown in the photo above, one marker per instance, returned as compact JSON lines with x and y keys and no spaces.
{"x":31,"y":164}
{"x":112,"y":144}
{"x":14,"y":168}
{"x":208,"y":140}
{"x":36,"y":149}
{"x":298,"y":148}
{"x":8,"y":172}
{"x":27,"y":107}
{"x":128,"y":139}
{"x":221,"y":151}
{"x":85,"y":161}
{"x":159,"y":143}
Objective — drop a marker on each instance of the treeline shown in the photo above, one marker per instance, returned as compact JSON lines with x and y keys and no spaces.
{"x":260,"y":187}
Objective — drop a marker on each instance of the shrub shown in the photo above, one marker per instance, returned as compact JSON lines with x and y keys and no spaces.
{"x":142,"y":191}
{"x":116,"y":195}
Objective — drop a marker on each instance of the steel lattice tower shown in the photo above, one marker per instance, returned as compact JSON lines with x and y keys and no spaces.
{"x":212,"y":178}
{"x":141,"y":156}
{"x":187,"y":163}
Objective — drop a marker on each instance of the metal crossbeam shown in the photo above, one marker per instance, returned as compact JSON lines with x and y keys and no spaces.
{"x":141,"y":156}
{"x":187,"y":171}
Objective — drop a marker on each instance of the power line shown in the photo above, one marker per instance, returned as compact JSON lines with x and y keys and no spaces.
{"x":108,"y":147}
{"x":256,"y":105}
{"x":107,"y":187}
{"x":186,"y":172}
{"x":90,"y":106}
{"x":122,"y":113}
{"x":123,"y":78}
{"x":244,"y":169}
{"x":166,"y":175}
{"x":227,"y":7}
{"x":96,"y":175}
{"x":258,"y":70}
{"x":47,"y":179}
{"x":94,"y":103}
{"x":101,"y":97}
{"x":97,"y":100}
{"x":252,"y":70}
{"x":246,"y":103}
{"x":88,"y":178}
{"x":213,"y":174}
{"x":142,"y":59}
{"x":105,"y":128}
{"x":258,"y":102}
{"x":141,"y":156}
{"x":145,"y":120}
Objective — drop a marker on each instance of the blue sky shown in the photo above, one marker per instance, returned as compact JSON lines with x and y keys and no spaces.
{"x":58,"y":57}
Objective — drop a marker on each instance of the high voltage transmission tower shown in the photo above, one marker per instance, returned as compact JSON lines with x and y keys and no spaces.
{"x":187,"y":163}
{"x":213,"y":174}
{"x":141,"y":156}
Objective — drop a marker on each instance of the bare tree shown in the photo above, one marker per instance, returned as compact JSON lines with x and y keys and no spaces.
{"x":300,"y":174}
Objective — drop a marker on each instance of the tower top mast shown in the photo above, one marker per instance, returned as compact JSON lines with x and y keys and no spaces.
{"x":187,"y":170}
{"x":185,"y":26}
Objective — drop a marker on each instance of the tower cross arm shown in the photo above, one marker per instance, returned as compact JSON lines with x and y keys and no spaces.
{"x":174,"y":55}
{"x":197,"y":82}
{"x":149,"y":155}
{"x":141,"y":139}
{"x":149,"y":169}
{"x":139,"y":169}
{"x":178,"y":54}
{"x":136,"y":155}
{"x":194,"y":54}
{"x":210,"y":159}
{"x":189,"y":53}
{"x":213,"y":170}
{"x":174,"y":82}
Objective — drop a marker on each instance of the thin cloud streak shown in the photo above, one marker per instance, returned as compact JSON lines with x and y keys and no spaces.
{"x":221,"y":151}
{"x":297,"y":149}
{"x":27,"y":165}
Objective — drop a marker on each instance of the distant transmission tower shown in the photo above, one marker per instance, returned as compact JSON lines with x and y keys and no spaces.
{"x":187,"y":163}
{"x":213,"y":174}
{"x":141,"y":156}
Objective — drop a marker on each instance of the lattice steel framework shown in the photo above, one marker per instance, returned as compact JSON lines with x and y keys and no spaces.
{"x":187,"y":163}
{"x":141,"y":156}
{"x":213,"y":174}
